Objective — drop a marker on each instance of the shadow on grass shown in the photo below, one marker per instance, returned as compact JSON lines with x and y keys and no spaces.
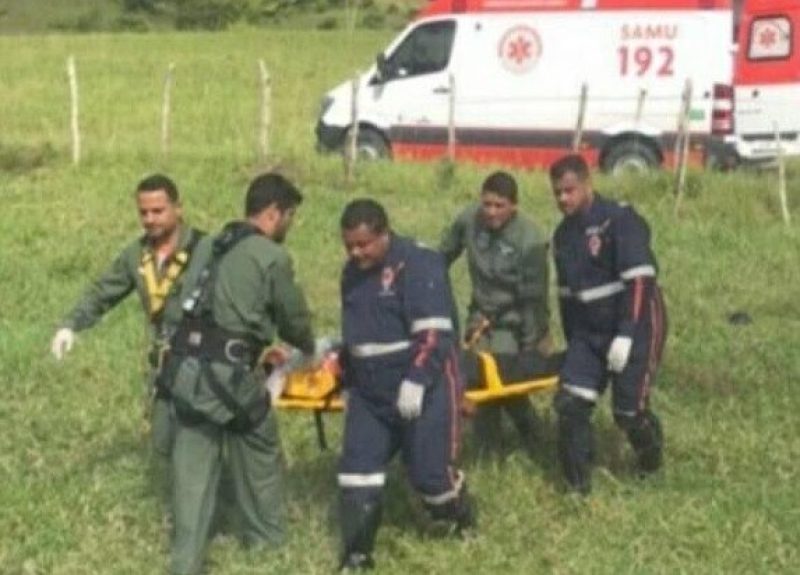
{"x":21,"y":159}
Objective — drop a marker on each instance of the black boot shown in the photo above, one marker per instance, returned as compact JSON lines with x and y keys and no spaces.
{"x":359,"y":521}
{"x":575,"y":441}
{"x":647,"y":440}
{"x":459,"y":513}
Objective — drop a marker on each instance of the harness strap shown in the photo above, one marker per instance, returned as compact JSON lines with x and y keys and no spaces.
{"x":158,"y":288}
{"x":242,"y":421}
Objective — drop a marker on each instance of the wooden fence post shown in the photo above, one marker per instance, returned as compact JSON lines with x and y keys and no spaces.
{"x":781,"y":176}
{"x":72,"y":74}
{"x":578,"y":136}
{"x":266,"y":111}
{"x":451,"y":120}
{"x":351,"y":152}
{"x":683,"y":115}
{"x":682,"y":150}
{"x":640,"y":105}
{"x":166,"y":110}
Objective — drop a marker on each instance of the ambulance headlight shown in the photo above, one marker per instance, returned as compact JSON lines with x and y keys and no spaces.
{"x":325,"y":105}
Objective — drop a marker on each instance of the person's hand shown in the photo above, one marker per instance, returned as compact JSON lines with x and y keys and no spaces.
{"x":62,"y":343}
{"x":409,"y":399}
{"x":619,"y":353}
{"x":275,"y":383}
{"x":476,"y":329}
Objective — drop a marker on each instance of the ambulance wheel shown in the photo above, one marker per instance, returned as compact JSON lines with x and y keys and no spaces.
{"x":371,"y":145}
{"x":630,"y":156}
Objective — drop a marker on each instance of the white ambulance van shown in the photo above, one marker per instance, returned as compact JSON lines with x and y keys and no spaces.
{"x":765,"y":93}
{"x":516,"y":70}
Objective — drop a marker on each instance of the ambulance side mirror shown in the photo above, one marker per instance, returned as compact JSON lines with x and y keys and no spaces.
{"x":383,"y":69}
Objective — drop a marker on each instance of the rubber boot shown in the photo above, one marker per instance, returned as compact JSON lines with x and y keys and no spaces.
{"x":459,"y":512}
{"x":647,"y":440}
{"x":575,"y":441}
{"x":359,"y":520}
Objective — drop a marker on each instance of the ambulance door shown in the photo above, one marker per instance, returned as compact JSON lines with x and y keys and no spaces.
{"x":767,"y":80}
{"x":410,"y":90}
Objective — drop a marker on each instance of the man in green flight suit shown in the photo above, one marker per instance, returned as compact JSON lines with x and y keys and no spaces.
{"x":152,"y":266}
{"x":239,"y":294}
{"x":508,"y":310}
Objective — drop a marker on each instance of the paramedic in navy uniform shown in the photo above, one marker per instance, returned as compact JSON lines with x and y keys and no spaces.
{"x":401,"y":377}
{"x":614,"y":321}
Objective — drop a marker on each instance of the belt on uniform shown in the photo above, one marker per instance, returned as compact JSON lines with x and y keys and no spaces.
{"x":205,"y":340}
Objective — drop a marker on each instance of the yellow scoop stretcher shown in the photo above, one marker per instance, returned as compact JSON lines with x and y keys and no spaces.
{"x":318,"y":389}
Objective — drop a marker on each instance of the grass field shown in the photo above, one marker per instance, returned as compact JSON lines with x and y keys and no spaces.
{"x":75,"y":493}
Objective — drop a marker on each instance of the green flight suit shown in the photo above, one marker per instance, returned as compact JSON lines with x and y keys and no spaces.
{"x":253,"y":293}
{"x":509,"y":275}
{"x":123,"y":276}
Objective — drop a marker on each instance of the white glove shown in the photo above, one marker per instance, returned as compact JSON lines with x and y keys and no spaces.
{"x":409,"y":399}
{"x":275,"y":383}
{"x":62,"y":343}
{"x":619,"y":353}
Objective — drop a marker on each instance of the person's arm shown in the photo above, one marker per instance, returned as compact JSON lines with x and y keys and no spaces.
{"x":636,"y":267}
{"x":106,"y":292}
{"x":567,"y":302}
{"x":532,"y":295}
{"x":428,"y":304}
{"x":292,"y":315}
{"x":451,"y":245}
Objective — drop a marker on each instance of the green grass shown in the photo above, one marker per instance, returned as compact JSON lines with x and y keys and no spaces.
{"x":75,"y":491}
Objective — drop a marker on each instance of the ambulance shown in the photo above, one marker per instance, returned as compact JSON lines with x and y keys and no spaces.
{"x":505,"y":79}
{"x":765,"y":95}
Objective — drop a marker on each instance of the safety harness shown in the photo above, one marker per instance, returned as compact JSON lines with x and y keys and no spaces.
{"x":199,"y":336}
{"x":159,"y":286}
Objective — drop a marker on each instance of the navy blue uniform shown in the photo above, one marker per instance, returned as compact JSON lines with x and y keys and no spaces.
{"x":397,"y":325}
{"x":607,"y":288}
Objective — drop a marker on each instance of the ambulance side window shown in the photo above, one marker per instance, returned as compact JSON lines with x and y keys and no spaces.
{"x":426,"y":50}
{"x":770,"y":38}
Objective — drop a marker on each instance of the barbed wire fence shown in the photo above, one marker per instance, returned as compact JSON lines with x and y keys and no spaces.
{"x":450,"y":153}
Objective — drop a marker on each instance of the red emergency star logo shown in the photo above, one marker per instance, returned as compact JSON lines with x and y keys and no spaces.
{"x":519,"y":49}
{"x":767,"y":38}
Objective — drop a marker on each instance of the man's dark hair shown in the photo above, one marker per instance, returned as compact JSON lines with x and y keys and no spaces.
{"x":268,"y":189}
{"x":569,"y":163}
{"x":367,"y":212}
{"x":503,"y":184}
{"x":157,"y":182}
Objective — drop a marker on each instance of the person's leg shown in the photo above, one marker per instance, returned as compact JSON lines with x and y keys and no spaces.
{"x":581,"y":382}
{"x":162,"y":431}
{"x":196,"y":458}
{"x":430,"y":448}
{"x":631,"y":391}
{"x":256,"y":475}
{"x":367,"y":447}
{"x":525,"y":420}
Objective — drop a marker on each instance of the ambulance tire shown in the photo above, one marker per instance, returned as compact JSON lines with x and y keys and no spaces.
{"x":371,"y":145}
{"x":630,"y":156}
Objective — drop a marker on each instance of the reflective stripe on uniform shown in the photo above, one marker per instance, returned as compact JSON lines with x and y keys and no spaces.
{"x":440,"y":323}
{"x":582,"y":392}
{"x":600,"y":292}
{"x":375,"y":349}
{"x":564,"y":291}
{"x":361,"y":479}
{"x":638,"y":271}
